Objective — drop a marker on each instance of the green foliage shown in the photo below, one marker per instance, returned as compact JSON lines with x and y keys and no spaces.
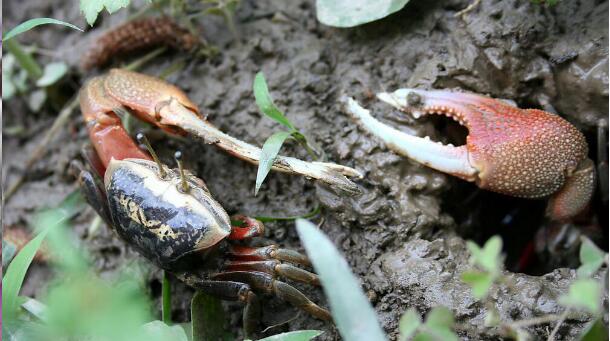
{"x":8,"y":252}
{"x":438,"y":326}
{"x":265,"y":102}
{"x":350,"y":13}
{"x":489,"y":260}
{"x":13,"y":278}
{"x":352,"y":312}
{"x":591,"y":258}
{"x":300,"y":335}
{"x":92,"y":8}
{"x":159,"y":331}
{"x":269,"y":152}
{"x":274,"y":143}
{"x":546,"y":2}
{"x":409,"y":322}
{"x":30,"y":24}
{"x":583,"y":294}
{"x":595,"y":331}
{"x":52,"y":73}
{"x":207,"y":318}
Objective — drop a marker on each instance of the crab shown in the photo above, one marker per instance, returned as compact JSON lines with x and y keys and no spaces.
{"x":166,"y":106}
{"x":169,"y":215}
{"x":526,"y":153}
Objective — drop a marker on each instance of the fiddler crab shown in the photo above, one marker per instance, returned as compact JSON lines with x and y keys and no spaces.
{"x":169,"y":215}
{"x":526,"y":153}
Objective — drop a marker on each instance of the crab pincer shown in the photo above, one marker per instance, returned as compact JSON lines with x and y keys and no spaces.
{"x":526,"y":153}
{"x":166,"y":106}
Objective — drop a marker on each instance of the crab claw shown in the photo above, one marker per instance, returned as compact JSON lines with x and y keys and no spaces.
{"x":525,"y":153}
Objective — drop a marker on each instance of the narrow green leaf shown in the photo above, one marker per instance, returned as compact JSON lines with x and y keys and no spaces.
{"x":595,"y":331}
{"x":439,"y":317}
{"x":13,"y":279}
{"x":591,"y":258}
{"x":8,"y":252}
{"x":271,"y":148}
{"x":208,"y":317}
{"x":583,"y":293}
{"x":409,"y":322}
{"x":480,"y":282}
{"x":299,"y":335}
{"x":265,"y":103}
{"x":350,"y":13}
{"x":52,"y":73}
{"x":353,"y":314}
{"x":29,"y":24}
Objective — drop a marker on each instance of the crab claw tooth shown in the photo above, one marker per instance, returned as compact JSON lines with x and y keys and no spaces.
{"x":452,"y":160}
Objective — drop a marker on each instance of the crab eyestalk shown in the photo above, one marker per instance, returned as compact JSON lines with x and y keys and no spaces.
{"x":143,"y":140}
{"x":184,"y":186}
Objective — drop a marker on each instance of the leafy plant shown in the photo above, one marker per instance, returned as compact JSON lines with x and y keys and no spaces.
{"x":350,"y":13}
{"x":92,"y":8}
{"x":300,"y":335}
{"x":488,"y":266}
{"x":274,"y":143}
{"x":30,"y":24}
{"x":351,"y":310}
{"x":438,"y":325}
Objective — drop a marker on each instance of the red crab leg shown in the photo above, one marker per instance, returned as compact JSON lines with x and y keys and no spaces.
{"x":106,"y":132}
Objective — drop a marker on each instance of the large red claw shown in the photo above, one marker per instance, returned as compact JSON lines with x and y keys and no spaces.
{"x":525,"y":153}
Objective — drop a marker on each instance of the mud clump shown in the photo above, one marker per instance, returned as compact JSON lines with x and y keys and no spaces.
{"x":397,"y":235}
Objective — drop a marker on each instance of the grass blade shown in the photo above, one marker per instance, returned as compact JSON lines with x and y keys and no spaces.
{"x":207,"y":317}
{"x":13,"y":279}
{"x":269,"y":153}
{"x":265,"y":102}
{"x":351,"y":310}
{"x":30,"y":24}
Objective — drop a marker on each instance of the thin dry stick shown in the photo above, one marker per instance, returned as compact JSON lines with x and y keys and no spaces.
{"x":470,"y":7}
{"x":559,"y":323}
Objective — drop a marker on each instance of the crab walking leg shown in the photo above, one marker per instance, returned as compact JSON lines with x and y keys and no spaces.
{"x":173,"y":113}
{"x":448,"y":159}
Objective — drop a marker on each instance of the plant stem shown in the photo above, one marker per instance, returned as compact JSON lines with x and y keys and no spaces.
{"x":147,"y":57}
{"x":25,"y":59}
{"x":166,"y":292}
{"x":559,"y":323}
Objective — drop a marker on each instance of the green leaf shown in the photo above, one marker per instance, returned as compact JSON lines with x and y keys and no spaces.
{"x":30,"y":24}
{"x":583,"y":293}
{"x":208,"y":317}
{"x":52,"y":73}
{"x":439,"y":317}
{"x":8,"y":88}
{"x":265,"y":103}
{"x":480,"y":282}
{"x":353,"y":314}
{"x":13,"y":279}
{"x":159,"y":331}
{"x":299,"y":335}
{"x":91,"y":8}
{"x":489,"y":257}
{"x":350,"y":13}
{"x":268,"y":154}
{"x":591,"y":258}
{"x":409,"y":322}
{"x":8,"y":252}
{"x":36,"y":100}
{"x":595,"y":331}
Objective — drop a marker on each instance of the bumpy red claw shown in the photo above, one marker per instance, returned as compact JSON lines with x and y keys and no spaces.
{"x":525,"y":153}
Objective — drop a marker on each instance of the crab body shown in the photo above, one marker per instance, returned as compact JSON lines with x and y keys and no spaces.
{"x":524,"y":153}
{"x":156,"y":218}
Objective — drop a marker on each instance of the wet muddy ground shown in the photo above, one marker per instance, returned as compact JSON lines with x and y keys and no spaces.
{"x":404,"y":236}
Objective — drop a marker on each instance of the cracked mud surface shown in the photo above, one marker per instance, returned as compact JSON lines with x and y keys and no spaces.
{"x":402,"y":235}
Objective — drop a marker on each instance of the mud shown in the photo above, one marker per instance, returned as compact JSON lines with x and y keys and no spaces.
{"x":401,"y":235}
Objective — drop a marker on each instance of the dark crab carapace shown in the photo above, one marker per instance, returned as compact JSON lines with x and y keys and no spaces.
{"x":171,"y":218}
